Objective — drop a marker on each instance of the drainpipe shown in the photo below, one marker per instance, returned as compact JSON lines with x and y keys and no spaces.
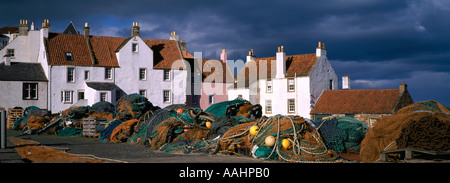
{"x":3,"y":129}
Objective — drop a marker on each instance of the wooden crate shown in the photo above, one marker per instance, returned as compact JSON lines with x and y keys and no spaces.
{"x":89,"y":126}
{"x":13,"y":115}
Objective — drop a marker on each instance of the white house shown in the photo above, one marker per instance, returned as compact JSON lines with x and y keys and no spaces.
{"x":288,"y":85}
{"x":85,"y":69}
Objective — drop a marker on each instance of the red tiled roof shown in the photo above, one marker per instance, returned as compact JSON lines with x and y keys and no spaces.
{"x":165,"y":52}
{"x":58,"y":44}
{"x":226,"y":75}
{"x":372,"y":101}
{"x":104,"y":50}
{"x":299,"y":65}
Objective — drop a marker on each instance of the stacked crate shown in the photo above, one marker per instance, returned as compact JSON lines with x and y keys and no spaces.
{"x":13,"y":115}
{"x":89,"y":125}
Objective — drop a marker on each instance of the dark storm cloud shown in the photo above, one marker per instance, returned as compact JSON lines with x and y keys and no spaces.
{"x":379,"y":43}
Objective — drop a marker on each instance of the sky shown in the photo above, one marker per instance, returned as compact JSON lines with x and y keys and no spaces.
{"x":378,"y":43}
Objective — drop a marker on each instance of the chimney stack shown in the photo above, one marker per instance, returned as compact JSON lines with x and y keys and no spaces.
{"x":135,"y":30}
{"x":183,"y":45}
{"x":7,"y":60}
{"x":345,"y":82}
{"x":250,"y":55}
{"x":86,"y":30}
{"x":45,"y":28}
{"x":402,"y":87}
{"x":32,"y":26}
{"x":174,"y":36}
{"x":281,"y":63}
{"x":321,"y":50}
{"x":23,"y":27}
{"x":223,"y":56}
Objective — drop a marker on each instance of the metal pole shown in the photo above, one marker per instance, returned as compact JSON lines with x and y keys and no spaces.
{"x":3,"y":129}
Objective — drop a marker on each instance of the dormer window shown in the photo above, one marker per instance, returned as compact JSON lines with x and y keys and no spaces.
{"x":69,"y":56}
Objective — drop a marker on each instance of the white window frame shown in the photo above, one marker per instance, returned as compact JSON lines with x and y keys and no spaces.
{"x":269,"y":86}
{"x":87,"y":75}
{"x":105,"y":95}
{"x":268,"y":106}
{"x":289,"y":105}
{"x":134,"y":47}
{"x":143,"y":77}
{"x":108,"y":73}
{"x":166,"y":72}
{"x":67,"y":96}
{"x":166,"y":92}
{"x":291,"y":84}
{"x":28,"y":89}
{"x":70,"y":79}
{"x":78,"y":95}
{"x":143,"y":92}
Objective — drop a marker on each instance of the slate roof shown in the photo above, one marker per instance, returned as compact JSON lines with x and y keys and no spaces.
{"x":353,"y":101}
{"x":9,"y":29}
{"x":22,"y":71}
{"x":106,"y":86}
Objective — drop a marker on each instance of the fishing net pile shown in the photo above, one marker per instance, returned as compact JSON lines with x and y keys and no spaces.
{"x":342,"y":134}
{"x":167,"y":126}
{"x":423,"y":125}
{"x":306,"y":145}
{"x":132,"y":106}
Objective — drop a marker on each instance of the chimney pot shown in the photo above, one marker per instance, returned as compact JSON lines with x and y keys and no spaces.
{"x":403,"y":87}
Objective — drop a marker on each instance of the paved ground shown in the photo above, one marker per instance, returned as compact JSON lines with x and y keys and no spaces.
{"x":117,"y":152}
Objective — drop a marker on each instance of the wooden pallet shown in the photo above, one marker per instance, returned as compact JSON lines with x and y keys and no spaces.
{"x":13,"y":115}
{"x":89,"y":126}
{"x":409,"y":153}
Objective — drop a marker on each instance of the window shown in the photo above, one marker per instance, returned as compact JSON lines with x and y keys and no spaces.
{"x":166,"y":75}
{"x":103,"y":96}
{"x":143,"y":93}
{"x":269,"y":86}
{"x":66,"y":97}
{"x":291,"y":84}
{"x":142,"y":74}
{"x":291,"y":105}
{"x":268,"y":106}
{"x":69,"y":56}
{"x":331,"y":84}
{"x":135,"y":47}
{"x":70,"y":74}
{"x":81,"y":95}
{"x":108,"y":73}
{"x":10,"y":52}
{"x":211,"y":99}
{"x":30,"y":91}
{"x":166,"y":96}
{"x":86,"y":75}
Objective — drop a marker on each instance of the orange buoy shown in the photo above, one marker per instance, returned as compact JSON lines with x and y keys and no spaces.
{"x":180,"y":110}
{"x":208,"y":124}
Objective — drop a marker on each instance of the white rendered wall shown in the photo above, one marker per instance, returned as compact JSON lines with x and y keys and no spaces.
{"x":11,"y":95}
